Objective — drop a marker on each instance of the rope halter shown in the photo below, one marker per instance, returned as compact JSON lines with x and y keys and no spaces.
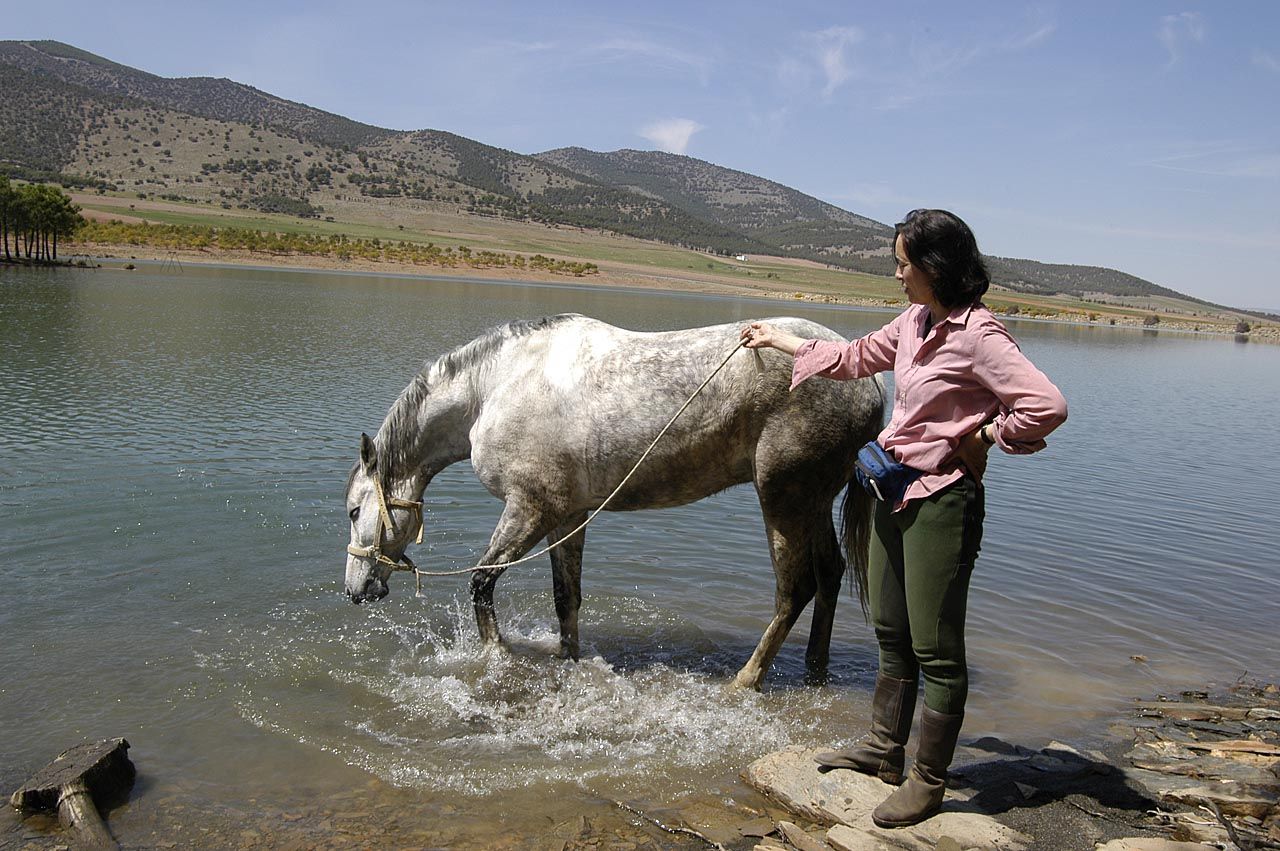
{"x":375,"y":550}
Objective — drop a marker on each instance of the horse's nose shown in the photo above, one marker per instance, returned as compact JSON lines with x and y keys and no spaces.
{"x":374,"y":589}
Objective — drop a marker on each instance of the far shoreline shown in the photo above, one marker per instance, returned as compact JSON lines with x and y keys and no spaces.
{"x":632,"y":279}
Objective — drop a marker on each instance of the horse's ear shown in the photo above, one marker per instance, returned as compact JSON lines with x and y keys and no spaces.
{"x":368,"y":454}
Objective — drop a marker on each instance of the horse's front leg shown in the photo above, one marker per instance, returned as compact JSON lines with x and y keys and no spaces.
{"x":517,"y":531}
{"x":566,"y":581}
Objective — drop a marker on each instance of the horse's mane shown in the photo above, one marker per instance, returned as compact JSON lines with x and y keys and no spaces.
{"x":395,"y":440}
{"x":481,"y":348}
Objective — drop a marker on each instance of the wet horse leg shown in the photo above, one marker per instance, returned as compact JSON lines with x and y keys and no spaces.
{"x":566,"y":581}
{"x":517,"y":531}
{"x":828,"y":568}
{"x":789,"y":536}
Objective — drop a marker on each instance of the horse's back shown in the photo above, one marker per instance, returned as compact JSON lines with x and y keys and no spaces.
{"x":576,"y":405}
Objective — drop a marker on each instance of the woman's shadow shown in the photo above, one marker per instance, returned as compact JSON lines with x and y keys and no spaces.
{"x":1025,"y":787}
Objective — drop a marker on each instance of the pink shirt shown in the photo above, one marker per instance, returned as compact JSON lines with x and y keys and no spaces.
{"x":964,"y":372}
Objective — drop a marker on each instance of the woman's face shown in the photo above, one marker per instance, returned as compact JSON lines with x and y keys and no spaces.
{"x":915,"y":281}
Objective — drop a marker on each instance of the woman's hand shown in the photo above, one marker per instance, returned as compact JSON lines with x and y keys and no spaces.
{"x":762,"y":335}
{"x":972,"y":452}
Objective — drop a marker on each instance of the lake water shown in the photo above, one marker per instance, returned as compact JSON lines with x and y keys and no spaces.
{"x":173,"y":451}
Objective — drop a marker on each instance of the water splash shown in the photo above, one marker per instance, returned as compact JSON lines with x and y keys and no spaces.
{"x":422,"y":703}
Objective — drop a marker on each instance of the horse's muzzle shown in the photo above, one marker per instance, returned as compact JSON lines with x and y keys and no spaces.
{"x":374,"y":589}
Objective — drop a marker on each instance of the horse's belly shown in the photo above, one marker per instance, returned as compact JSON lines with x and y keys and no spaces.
{"x":663,"y":481}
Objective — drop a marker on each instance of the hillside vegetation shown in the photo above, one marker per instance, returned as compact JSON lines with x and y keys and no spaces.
{"x":85,"y":121}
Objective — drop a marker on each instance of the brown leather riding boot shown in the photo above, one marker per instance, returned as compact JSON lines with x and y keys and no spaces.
{"x":921,"y":796}
{"x":882,"y":753}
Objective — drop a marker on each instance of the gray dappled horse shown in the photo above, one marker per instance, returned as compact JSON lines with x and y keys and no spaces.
{"x":553,"y":413}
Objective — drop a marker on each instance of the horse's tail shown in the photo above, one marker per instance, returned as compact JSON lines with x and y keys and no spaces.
{"x":856,"y":512}
{"x":855,"y":536}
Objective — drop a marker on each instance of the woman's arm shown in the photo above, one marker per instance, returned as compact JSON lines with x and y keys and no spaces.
{"x":761,"y":335}
{"x":829,"y":358}
{"x":1032,"y":405}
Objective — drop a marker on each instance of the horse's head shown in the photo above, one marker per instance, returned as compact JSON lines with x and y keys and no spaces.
{"x":382,"y":527}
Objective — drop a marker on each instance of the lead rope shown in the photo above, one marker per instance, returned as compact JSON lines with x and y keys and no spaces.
{"x":419,"y":573}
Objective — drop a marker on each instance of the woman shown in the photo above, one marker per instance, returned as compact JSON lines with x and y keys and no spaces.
{"x":961,"y":386}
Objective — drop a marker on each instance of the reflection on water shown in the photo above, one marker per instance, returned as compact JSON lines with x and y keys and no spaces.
{"x":172,"y":454}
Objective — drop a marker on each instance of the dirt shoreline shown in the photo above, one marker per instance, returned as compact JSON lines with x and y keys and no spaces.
{"x":610,"y":275}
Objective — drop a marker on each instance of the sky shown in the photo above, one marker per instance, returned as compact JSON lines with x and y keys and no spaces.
{"x":1142,"y":136}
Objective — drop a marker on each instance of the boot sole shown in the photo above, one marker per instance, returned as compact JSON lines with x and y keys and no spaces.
{"x":890,"y":825}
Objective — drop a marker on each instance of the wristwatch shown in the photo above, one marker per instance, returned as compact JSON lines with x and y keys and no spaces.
{"x":986,"y":435}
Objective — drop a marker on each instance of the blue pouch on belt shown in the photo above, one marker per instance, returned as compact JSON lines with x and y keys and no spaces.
{"x":882,"y":475}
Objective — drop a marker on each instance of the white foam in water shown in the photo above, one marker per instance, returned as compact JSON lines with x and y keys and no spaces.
{"x":437,"y":710}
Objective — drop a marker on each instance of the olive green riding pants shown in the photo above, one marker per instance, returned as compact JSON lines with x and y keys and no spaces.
{"x":918,"y":585}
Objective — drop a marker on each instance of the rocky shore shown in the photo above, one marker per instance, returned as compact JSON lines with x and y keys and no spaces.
{"x":1203,"y":773}
{"x":1187,"y":772}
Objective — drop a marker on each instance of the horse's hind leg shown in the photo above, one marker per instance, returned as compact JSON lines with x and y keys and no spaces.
{"x":517,"y":531}
{"x":828,"y":568}
{"x":566,"y":581}
{"x":789,"y":543}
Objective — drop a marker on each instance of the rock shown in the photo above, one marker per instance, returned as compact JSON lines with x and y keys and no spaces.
{"x":799,"y":839}
{"x":1149,"y":844}
{"x":1220,"y":758}
{"x":1061,"y":749}
{"x":846,"y":798}
{"x":1044,"y":762}
{"x":993,"y":745}
{"x":1193,"y":711}
{"x":1249,"y":746}
{"x":757,"y":828}
{"x":1232,"y":798}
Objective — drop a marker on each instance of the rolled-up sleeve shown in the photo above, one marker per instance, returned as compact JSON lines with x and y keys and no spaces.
{"x":1031,"y":406}
{"x":831,"y":359}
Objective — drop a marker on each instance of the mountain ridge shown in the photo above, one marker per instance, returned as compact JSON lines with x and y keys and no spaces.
{"x":74,"y":115}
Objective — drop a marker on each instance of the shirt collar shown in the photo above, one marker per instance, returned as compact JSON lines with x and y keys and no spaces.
{"x":958,"y":316}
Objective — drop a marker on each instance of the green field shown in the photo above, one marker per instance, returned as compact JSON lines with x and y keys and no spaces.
{"x":621,"y":257}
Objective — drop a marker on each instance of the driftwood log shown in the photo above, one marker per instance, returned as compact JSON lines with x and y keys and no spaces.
{"x":75,"y":782}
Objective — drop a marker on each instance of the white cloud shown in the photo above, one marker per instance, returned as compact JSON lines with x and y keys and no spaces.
{"x":1177,"y":30}
{"x":654,"y":53}
{"x":1266,"y":61}
{"x":672,"y":134}
{"x":829,"y":52}
{"x":1031,"y":39}
{"x":1245,"y":163}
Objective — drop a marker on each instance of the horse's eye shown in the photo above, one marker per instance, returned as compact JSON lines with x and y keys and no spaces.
{"x":354,"y":513}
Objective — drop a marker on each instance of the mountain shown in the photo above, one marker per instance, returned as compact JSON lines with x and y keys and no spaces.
{"x":792,"y":223}
{"x":71,"y":116}
{"x":207,"y":97}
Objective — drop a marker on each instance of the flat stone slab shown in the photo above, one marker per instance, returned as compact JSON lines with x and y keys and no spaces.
{"x":845,"y":799}
{"x":1148,"y":844}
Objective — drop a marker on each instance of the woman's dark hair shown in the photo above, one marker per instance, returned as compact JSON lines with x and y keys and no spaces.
{"x":943,"y":246}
